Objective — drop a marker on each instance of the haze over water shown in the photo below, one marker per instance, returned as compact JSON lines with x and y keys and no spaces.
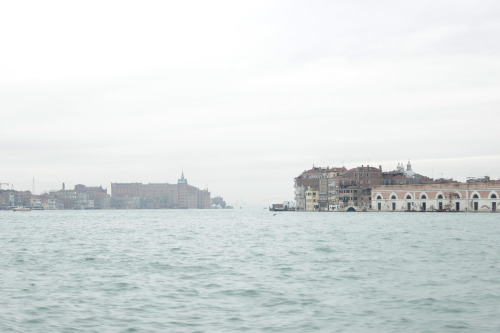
{"x":248,"y":270}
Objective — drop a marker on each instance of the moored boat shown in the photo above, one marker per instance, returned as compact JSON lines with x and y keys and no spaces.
{"x":22,"y":209}
{"x":284,"y":207}
{"x":277,"y":208}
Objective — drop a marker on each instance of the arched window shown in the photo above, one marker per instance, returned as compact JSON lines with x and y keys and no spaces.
{"x":440,"y":196}
{"x":493,"y":196}
{"x":475,"y":196}
{"x":424,"y":197}
{"x":393,"y":197}
{"x":408,"y":197}
{"x":379,"y":197}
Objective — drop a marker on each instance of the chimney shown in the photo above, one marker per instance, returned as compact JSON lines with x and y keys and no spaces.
{"x":380,"y":167}
{"x":64,"y":187}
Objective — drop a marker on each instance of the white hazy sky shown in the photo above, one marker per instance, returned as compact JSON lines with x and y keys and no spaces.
{"x":245,"y":95}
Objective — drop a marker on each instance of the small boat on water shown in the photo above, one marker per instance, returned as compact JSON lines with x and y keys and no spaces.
{"x":22,"y":209}
{"x":284,"y":207}
{"x":277,"y":208}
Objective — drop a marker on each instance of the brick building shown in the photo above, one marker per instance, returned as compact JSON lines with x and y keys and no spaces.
{"x":339,"y":189}
{"x":159,"y":195}
{"x":454,"y":196}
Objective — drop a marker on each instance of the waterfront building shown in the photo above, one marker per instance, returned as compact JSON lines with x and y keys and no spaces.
{"x":320,"y":181}
{"x":355,"y":187}
{"x":11,"y":198}
{"x":159,"y":195}
{"x":36,"y":203}
{"x":449,"y":196}
{"x":323,"y":194}
{"x":92,"y":197}
{"x":66,"y":198}
{"x":81,"y":197}
{"x":300,"y":197}
{"x":339,"y":189}
{"x":311,"y":200}
{"x":52,"y":204}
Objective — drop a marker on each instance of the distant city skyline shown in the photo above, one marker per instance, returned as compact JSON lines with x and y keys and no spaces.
{"x":434,"y":173}
{"x":244,"y":96}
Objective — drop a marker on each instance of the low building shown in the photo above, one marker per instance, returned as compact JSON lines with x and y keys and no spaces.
{"x":453,"y":196}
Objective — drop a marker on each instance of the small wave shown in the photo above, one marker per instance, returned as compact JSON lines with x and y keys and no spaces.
{"x":212,"y":285}
{"x":424,"y":301}
{"x":241,"y":292}
{"x":161,"y":266}
{"x":324,"y":249}
{"x":457,"y":326}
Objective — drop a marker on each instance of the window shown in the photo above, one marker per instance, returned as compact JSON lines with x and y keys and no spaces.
{"x":475,"y":196}
{"x":393,"y":197}
{"x":424,"y":197}
{"x":408,"y":197}
{"x":440,"y":196}
{"x":379,"y":197}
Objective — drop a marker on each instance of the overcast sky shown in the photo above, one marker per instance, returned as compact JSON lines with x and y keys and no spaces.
{"x":245,"y":95}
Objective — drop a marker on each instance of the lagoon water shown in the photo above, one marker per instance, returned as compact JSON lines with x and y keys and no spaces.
{"x":246,"y":270}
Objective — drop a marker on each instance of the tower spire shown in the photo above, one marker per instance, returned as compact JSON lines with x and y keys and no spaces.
{"x":182,"y":180}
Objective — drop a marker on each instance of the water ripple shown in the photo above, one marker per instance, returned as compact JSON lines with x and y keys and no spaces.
{"x":248,"y":271}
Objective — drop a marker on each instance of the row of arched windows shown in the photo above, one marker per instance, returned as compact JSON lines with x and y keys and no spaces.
{"x":440,"y":196}
{"x":457,"y":206}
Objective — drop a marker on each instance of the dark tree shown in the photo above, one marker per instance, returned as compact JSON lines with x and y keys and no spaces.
{"x":219,"y":201}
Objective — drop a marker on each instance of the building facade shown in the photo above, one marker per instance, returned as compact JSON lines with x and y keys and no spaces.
{"x":336,"y":188}
{"x":316,"y":189}
{"x":457,"y":197}
{"x":81,"y":197}
{"x":368,"y":188}
{"x":159,"y":195}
